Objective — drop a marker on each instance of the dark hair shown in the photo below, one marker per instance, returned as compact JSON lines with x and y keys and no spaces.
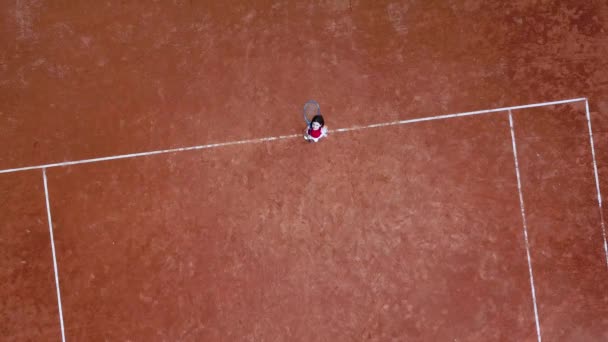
{"x":319,"y":119}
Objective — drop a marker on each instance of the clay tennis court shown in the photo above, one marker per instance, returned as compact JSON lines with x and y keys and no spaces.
{"x":155,"y":186}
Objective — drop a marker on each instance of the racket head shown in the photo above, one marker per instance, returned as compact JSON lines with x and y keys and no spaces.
{"x":311,"y":108}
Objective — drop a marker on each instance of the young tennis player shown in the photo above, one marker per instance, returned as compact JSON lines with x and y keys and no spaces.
{"x":316,"y":130}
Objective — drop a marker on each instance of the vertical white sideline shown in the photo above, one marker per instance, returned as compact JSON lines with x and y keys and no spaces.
{"x":48,"y":214}
{"x":525,"y":224}
{"x":597,"y":181}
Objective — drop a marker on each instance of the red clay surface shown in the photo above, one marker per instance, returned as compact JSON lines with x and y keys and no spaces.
{"x":405,"y":233}
{"x":562,"y":214}
{"x":369,"y":244}
{"x":29,"y":310}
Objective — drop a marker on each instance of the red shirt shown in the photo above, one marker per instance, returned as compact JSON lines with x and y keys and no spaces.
{"x":315,"y":133}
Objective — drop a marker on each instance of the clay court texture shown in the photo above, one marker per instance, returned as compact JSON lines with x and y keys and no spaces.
{"x":155,"y":186}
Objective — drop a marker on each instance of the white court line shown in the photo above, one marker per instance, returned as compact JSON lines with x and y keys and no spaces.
{"x":143,"y":154}
{"x":597,"y":181}
{"x":525,"y":224}
{"x":281,"y":137}
{"x":48,"y":213}
{"x":457,"y":115}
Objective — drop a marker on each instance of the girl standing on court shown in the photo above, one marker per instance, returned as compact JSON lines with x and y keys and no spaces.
{"x":316,"y":130}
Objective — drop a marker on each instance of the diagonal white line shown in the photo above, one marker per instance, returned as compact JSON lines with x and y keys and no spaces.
{"x":143,"y":154}
{"x":597,"y":181}
{"x":456,"y":115}
{"x":525,"y":224}
{"x":282,"y":137}
{"x":48,"y":213}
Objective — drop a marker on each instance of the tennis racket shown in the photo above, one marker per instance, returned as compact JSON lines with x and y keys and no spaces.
{"x":311,"y":108}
